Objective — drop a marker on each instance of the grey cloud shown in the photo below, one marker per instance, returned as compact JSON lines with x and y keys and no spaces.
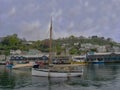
{"x":78,"y":17}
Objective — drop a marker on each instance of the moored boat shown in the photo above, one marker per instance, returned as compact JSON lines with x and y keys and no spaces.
{"x":55,"y":71}
{"x":97,"y":61}
{"x":81,"y":59}
{"x":18,"y":65}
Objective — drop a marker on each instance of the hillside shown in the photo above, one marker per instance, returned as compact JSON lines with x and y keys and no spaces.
{"x":61,"y":45}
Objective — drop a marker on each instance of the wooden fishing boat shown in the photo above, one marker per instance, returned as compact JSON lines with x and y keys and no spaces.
{"x":55,"y":70}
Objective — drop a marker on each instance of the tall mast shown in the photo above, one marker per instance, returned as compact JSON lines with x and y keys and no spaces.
{"x":50,"y":52}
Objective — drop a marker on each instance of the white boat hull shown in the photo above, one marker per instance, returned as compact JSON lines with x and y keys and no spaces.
{"x":47,"y":73}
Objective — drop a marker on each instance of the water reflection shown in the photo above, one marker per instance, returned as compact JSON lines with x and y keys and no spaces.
{"x":6,"y":79}
{"x":13,"y":78}
{"x":102,"y":72}
{"x":101,"y":75}
{"x":95,"y":77}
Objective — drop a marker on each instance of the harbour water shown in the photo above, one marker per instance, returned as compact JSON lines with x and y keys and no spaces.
{"x":95,"y":77}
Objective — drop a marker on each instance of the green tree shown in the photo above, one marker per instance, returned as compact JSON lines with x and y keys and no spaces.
{"x":10,"y":42}
{"x":73,"y":51}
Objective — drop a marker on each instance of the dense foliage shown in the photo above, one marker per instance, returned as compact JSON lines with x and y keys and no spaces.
{"x":61,"y":45}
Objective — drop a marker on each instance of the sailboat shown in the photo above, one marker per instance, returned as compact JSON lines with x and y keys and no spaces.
{"x":56,"y":70}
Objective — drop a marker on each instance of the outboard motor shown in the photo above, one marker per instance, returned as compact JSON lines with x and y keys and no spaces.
{"x":35,"y":66}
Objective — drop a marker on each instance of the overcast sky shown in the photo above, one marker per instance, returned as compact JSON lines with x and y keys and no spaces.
{"x":30,"y":19}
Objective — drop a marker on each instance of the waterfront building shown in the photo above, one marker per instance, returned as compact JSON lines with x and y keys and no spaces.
{"x":107,"y":57}
{"x":29,"y":58}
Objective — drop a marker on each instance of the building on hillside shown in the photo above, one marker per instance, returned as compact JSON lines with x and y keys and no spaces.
{"x":101,"y":49}
{"x":116,"y":49}
{"x":34,"y":52}
{"x":2,"y":57}
{"x":27,"y":42}
{"x":15,"y":52}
